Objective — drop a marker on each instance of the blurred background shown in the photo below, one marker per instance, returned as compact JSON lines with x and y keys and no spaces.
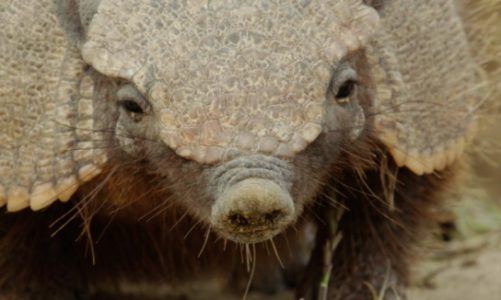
{"x":465,"y":257}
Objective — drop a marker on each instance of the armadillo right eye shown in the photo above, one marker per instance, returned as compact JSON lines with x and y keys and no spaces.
{"x":346,"y":89}
{"x":343,"y":84}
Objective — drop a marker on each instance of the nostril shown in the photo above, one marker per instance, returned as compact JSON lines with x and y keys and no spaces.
{"x":272,"y":216}
{"x":252,"y":210}
{"x":238,"y":220}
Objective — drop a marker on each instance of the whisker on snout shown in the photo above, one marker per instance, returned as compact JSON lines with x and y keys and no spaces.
{"x":205,"y":242}
{"x":276,"y":253}
{"x":252,"y":257}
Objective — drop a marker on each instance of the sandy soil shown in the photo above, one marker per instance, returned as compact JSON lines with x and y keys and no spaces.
{"x":465,"y":270}
{"x":468,"y":267}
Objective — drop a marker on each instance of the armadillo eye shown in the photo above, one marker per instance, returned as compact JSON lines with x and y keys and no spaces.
{"x":343,"y":84}
{"x":131,"y":106}
{"x":133,"y":109}
{"x":132,"y":102}
{"x":345,"y":90}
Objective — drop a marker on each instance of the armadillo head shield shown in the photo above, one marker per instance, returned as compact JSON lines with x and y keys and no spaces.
{"x":245,"y":76}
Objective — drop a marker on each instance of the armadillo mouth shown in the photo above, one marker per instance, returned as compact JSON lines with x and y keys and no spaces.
{"x":250,"y":237}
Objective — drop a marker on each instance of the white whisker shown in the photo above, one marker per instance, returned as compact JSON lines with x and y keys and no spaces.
{"x":252,"y":271}
{"x":276,"y":253}
{"x":205,"y":242}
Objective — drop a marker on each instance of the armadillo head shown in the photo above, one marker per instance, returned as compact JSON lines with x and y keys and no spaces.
{"x":226,"y":76}
{"x":239,"y":107}
{"x":238,"y":90}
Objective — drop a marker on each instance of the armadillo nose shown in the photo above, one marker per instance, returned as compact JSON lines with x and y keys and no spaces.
{"x":252,"y":210}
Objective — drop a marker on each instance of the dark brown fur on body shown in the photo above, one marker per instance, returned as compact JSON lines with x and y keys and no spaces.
{"x":102,"y":240}
{"x":129,"y":251}
{"x":130,"y":243}
{"x":379,"y":243}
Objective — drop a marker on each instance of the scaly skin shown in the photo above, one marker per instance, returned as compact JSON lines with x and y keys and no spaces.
{"x":239,"y":116}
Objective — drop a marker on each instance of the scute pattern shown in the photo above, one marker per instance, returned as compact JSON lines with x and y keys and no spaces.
{"x":225,"y":76}
{"x":427,"y":84}
{"x":40,"y":108}
{"x":244,"y":76}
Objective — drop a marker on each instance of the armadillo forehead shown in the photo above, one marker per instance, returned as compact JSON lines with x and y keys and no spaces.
{"x":230,"y":75}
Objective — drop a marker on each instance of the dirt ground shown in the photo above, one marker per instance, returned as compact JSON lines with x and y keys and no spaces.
{"x":474,"y":273}
{"x":469,"y":266}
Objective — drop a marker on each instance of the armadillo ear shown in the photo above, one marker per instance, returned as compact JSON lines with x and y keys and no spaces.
{"x":48,"y":141}
{"x":427,"y":84}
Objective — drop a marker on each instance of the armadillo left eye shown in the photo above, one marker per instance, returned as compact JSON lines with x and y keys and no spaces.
{"x":131,"y":106}
{"x":132,"y":102}
{"x":133,"y":109}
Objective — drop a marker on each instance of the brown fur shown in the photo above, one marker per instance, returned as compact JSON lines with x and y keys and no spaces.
{"x":121,"y":228}
{"x":105,"y":237}
{"x":381,"y":236}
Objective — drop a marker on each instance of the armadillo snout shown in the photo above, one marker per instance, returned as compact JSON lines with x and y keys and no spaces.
{"x":252,"y":210}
